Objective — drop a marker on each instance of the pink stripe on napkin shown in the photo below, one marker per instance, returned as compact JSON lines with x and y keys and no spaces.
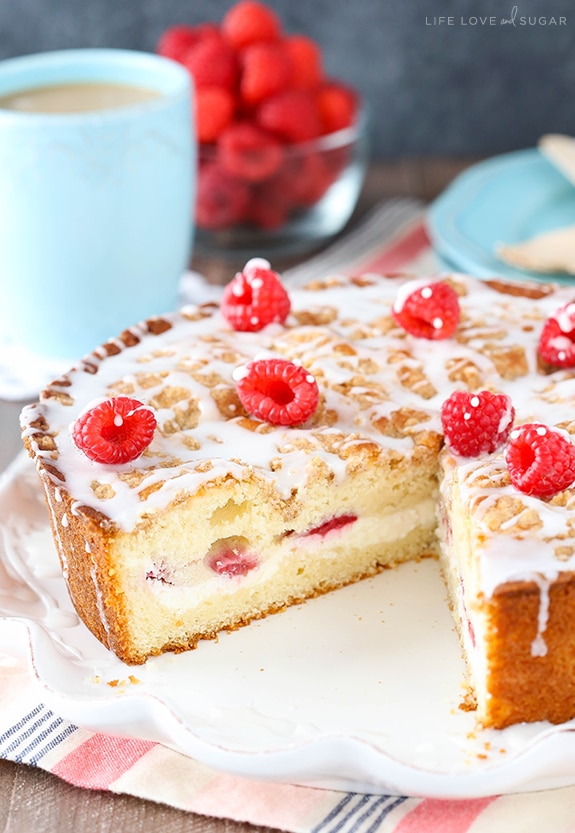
{"x":99,"y":761}
{"x":436,"y":816}
{"x":287,"y":805}
{"x":399,"y":253}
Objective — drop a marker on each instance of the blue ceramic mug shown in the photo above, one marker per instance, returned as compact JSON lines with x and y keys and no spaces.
{"x":96,"y":208}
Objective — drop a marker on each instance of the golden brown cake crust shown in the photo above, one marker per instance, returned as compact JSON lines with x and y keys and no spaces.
{"x":525,"y":688}
{"x":90,"y":581}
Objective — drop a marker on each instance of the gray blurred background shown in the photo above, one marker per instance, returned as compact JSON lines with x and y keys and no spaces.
{"x":444,"y":78}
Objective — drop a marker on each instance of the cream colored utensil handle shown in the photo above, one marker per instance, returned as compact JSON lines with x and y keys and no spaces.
{"x":560,"y":151}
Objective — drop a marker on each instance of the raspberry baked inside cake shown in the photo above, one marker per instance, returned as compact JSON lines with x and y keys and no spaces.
{"x":217,"y":464}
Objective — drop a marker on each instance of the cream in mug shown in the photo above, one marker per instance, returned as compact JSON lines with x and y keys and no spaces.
{"x":80,"y":97}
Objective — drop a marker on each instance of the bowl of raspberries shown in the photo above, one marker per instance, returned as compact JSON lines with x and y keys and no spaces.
{"x":282,"y":146}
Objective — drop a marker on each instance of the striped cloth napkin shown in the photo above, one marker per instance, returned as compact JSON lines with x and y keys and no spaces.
{"x":392,"y":238}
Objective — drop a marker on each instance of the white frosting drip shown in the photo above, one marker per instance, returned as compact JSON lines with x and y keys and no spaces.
{"x":538,"y":646}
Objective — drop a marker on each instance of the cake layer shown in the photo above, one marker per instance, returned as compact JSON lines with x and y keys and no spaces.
{"x":225,"y":517}
{"x":237,"y":551}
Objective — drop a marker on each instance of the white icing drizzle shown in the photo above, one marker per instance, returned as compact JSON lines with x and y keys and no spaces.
{"x":56,"y":533}
{"x":204,"y":356}
{"x":538,"y":646}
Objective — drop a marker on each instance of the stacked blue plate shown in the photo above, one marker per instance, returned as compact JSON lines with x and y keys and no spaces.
{"x":506,"y":199}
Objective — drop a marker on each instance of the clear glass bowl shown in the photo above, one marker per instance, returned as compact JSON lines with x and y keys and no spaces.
{"x":307,"y":200}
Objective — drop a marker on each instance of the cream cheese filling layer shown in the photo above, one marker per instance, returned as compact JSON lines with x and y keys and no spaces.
{"x":190,"y":586}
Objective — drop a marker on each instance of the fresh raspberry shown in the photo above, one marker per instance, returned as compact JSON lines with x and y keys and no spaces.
{"x":337,"y":105}
{"x":176,"y":41}
{"x":248,"y":22}
{"x":267,"y":210}
{"x":474,"y":423}
{"x":306,"y":61}
{"x":300,"y":182}
{"x":248,"y":153}
{"x":232,"y":561}
{"x":212,"y":63}
{"x":292,"y":115}
{"x":557,"y":340}
{"x":255,"y":298}
{"x":338,"y":158}
{"x":333,"y":524}
{"x":115,"y":431}
{"x":277,"y":391}
{"x":427,"y":309}
{"x":265,"y":70}
{"x":203,"y":31}
{"x":304,"y":178}
{"x":222,"y":200}
{"x":215,"y":108}
{"x":540,"y":459}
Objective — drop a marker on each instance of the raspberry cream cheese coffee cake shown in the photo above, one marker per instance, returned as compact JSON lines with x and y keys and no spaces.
{"x":217,"y":464}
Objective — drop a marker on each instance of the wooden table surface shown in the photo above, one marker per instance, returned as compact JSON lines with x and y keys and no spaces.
{"x":33,"y":801}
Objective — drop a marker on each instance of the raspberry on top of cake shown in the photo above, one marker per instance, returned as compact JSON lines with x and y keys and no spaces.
{"x":296,"y":440}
